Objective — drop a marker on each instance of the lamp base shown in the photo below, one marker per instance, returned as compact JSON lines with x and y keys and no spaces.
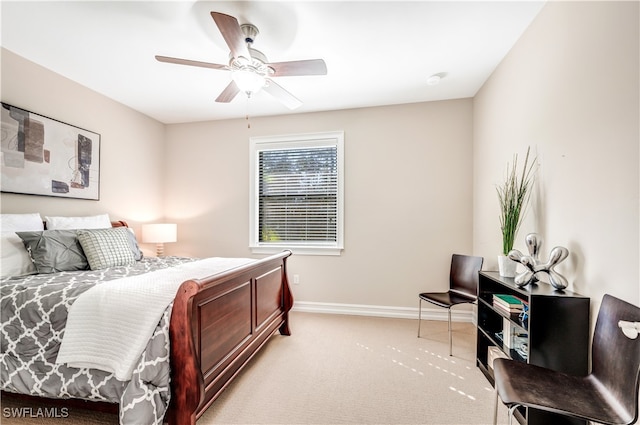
{"x":160,"y":250}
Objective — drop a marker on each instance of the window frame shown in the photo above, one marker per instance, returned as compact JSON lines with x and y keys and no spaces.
{"x":293,"y":141}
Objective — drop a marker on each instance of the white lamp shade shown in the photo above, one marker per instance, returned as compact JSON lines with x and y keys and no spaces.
{"x":159,"y":233}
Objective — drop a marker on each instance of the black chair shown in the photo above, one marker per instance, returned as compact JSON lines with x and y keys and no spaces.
{"x":463,"y":287}
{"x":608,"y":395}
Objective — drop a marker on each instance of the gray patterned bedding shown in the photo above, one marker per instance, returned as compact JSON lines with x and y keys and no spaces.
{"x":33,"y":314}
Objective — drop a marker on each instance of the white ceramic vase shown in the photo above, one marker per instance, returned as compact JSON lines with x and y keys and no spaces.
{"x":506,"y":266}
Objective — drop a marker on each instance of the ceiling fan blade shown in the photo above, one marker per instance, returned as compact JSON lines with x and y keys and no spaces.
{"x":179,"y":61}
{"x":298,"y":68}
{"x":229,"y":93}
{"x":232,"y":34}
{"x":275,"y":90}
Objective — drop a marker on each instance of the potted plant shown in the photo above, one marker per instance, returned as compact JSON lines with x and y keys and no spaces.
{"x":513,"y":196}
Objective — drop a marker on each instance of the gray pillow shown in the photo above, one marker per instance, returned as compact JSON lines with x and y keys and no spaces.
{"x":54,"y":250}
{"x":106,"y":247}
{"x":133,"y":244}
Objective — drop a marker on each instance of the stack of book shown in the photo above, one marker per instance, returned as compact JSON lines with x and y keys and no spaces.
{"x":508,"y":303}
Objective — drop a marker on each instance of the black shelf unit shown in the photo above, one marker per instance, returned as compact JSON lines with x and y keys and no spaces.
{"x":557,"y":333}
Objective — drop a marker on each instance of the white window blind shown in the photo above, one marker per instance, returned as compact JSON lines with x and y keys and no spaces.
{"x":297,"y":193}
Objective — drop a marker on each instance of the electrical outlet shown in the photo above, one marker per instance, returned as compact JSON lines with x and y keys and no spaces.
{"x":296,"y":279}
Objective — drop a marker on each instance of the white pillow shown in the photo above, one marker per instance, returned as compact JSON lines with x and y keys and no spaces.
{"x":21,"y":222}
{"x":15,"y":260}
{"x":101,"y":221}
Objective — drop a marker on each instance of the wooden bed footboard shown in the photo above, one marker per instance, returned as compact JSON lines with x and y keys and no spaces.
{"x":217,"y":325}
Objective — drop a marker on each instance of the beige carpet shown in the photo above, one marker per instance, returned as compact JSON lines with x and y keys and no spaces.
{"x":348,"y":370}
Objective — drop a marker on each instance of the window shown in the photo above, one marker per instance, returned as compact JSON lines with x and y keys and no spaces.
{"x":297,"y":193}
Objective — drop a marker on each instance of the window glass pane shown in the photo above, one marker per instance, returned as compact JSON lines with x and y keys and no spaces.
{"x":298,"y":195}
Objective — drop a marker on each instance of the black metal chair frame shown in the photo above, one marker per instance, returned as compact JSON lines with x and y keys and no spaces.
{"x":463,"y":288}
{"x":607,"y":395}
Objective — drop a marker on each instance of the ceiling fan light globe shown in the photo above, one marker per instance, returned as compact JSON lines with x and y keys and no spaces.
{"x":248,"y":81}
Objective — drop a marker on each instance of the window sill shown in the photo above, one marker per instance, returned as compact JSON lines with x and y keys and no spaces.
{"x":297,"y":250}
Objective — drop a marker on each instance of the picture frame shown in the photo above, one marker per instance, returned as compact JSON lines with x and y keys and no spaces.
{"x":43,"y":156}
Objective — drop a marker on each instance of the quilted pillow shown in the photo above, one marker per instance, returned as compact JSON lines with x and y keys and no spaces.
{"x":106,"y":247}
{"x":54,"y":250}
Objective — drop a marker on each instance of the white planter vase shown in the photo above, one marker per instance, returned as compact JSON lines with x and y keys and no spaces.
{"x":506,"y":266}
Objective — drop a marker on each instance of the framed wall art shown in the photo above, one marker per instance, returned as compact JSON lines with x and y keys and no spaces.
{"x":43,"y":156}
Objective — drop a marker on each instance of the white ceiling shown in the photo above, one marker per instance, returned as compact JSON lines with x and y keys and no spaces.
{"x":377,"y":52}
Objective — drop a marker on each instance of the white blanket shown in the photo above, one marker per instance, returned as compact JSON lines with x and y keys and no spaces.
{"x":109,"y":326}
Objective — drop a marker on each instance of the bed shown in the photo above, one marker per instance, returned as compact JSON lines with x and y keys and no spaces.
{"x":213,"y":326}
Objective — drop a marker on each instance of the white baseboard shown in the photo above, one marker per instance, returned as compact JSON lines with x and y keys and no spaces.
{"x":428,"y":313}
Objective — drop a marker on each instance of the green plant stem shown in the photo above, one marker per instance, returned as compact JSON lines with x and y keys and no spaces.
{"x":513,"y":196}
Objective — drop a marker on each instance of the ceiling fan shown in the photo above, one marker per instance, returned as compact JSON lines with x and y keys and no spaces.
{"x":250,"y":69}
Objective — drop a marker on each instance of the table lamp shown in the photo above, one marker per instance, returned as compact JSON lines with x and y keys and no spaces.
{"x":159,"y":234}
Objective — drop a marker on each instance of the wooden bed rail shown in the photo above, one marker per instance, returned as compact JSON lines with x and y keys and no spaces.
{"x":217,"y":325}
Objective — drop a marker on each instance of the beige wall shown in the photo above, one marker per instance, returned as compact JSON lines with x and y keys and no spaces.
{"x":131,"y":145}
{"x":569,"y":89}
{"x":408,"y":197}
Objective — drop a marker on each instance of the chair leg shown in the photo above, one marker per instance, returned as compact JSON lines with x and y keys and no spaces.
{"x":495,"y":407}
{"x":419,"y":314}
{"x":511,"y":410}
{"x":449,"y":311}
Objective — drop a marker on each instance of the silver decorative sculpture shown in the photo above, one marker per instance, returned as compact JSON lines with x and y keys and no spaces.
{"x":533,"y":265}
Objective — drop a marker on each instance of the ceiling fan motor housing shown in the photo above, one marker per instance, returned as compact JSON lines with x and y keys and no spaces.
{"x":258,"y":60}
{"x":257,"y":63}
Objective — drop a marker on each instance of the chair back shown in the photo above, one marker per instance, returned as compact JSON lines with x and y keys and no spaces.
{"x":463,"y":278}
{"x":615,"y":358}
